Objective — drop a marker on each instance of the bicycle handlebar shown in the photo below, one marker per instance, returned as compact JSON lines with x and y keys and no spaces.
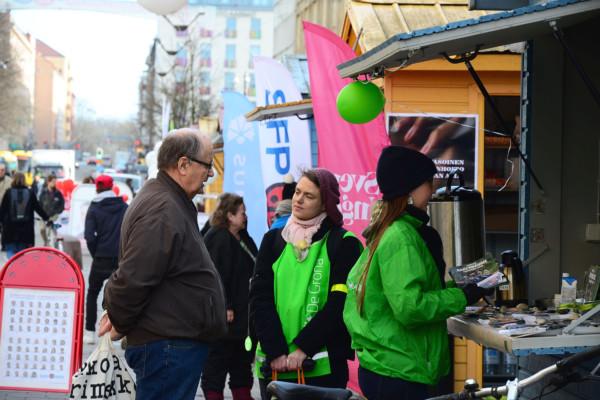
{"x":576,"y":359}
{"x":561,"y":366}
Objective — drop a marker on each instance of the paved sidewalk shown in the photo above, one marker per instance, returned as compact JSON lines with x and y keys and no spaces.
{"x":87,"y":349}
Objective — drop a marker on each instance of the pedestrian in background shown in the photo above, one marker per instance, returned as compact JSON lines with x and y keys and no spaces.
{"x":299,"y":288}
{"x":233,"y":252}
{"x":397,"y":302}
{"x":5,"y":180}
{"x":53,"y":203}
{"x":5,"y":183}
{"x":102,"y":234}
{"x":166,"y":295}
{"x":284,"y":207}
{"x":37,"y":184}
{"x":16,"y":213}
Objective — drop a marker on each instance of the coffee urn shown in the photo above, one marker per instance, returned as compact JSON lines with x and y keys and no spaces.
{"x":457,"y":213}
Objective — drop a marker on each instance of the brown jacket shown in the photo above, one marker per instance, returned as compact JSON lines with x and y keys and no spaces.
{"x":166,"y":285}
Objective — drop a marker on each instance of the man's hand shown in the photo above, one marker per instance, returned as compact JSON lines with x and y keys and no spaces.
{"x":279,"y":364}
{"x":295,"y":359}
{"x":106,"y":326}
{"x":229,"y":316}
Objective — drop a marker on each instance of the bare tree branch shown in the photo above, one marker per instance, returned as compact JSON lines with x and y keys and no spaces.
{"x":15,"y":103}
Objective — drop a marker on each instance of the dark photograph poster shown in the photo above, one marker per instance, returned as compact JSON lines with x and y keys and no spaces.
{"x":450,"y":140}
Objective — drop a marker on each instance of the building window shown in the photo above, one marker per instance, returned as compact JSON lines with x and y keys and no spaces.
{"x":231,"y":28}
{"x":254,"y":51}
{"x":205,"y":33}
{"x":255,"y":28}
{"x":181,"y":58}
{"x":205,"y":55}
{"x":179,"y":75}
{"x":229,"y":81}
{"x":230,"y":56}
{"x":204,"y":83}
{"x":251,"y":88}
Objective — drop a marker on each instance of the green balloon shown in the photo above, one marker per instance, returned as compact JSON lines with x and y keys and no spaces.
{"x":360,"y":102}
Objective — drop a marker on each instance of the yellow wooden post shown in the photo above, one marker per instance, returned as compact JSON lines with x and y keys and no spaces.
{"x":217,"y":186}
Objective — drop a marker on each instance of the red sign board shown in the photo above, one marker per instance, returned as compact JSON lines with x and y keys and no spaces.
{"x":41,"y":310}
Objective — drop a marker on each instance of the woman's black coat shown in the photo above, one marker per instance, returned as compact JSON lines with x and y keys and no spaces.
{"x":235,"y":267}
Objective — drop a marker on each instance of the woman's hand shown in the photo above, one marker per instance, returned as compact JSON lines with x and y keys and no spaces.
{"x":295,"y":359}
{"x":279,"y":364}
{"x":229,"y":316}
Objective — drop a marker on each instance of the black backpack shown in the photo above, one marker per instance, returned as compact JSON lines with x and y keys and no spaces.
{"x":19,"y":202}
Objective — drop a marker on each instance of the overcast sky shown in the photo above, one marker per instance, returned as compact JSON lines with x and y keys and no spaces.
{"x":107,"y":53}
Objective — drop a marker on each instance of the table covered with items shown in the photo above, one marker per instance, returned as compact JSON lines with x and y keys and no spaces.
{"x":522,"y":331}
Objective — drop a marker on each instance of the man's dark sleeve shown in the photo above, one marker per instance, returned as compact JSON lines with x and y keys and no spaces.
{"x":61,"y":203}
{"x":262,"y":300}
{"x":141,"y":269}
{"x":4,"y":206}
{"x":89,"y":233}
{"x":38,"y":208}
{"x":328,"y":322}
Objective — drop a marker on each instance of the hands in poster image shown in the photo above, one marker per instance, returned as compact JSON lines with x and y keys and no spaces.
{"x":432,"y":136}
{"x":450,"y":140}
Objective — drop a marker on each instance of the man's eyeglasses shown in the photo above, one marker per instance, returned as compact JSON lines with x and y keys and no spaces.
{"x":207,"y":165}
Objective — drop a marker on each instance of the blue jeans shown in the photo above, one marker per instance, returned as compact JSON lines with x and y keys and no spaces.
{"x":379,"y":387}
{"x":167,"y":369}
{"x":14,"y":248}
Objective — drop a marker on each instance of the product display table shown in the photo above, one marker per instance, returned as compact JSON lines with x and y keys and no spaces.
{"x":549,"y":342}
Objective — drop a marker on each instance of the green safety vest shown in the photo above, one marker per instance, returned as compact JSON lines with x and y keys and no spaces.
{"x":301,"y":289}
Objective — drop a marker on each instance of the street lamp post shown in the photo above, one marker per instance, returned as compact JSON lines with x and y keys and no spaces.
{"x":150,"y":84}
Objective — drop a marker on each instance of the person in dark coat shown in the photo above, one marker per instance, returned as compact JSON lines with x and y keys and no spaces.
{"x":233,"y":252}
{"x":299,"y":288}
{"x":166,"y":296}
{"x":102,"y":234}
{"x":53,"y":202}
{"x":16,"y":213}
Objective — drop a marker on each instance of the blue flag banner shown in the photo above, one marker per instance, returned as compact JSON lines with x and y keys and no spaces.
{"x":242,"y":162}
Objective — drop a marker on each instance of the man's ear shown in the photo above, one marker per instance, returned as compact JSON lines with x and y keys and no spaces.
{"x":182,"y":165}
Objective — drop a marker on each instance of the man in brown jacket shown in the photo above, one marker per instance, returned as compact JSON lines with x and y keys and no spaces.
{"x":166,"y":295}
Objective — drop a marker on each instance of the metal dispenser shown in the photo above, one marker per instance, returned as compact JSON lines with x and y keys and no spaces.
{"x":456,"y":212}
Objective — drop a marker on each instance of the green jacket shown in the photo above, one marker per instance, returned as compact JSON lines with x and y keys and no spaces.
{"x":402,"y":333}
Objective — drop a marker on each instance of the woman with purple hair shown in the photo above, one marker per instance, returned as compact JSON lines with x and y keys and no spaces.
{"x":299,"y":288}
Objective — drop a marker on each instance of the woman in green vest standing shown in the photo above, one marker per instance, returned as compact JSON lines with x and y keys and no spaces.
{"x":299,"y":289}
{"x":397,"y":302}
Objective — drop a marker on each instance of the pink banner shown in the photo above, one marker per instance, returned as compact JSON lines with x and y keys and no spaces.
{"x":350,"y":151}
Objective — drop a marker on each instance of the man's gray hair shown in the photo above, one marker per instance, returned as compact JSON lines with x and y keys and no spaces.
{"x":179,"y":143}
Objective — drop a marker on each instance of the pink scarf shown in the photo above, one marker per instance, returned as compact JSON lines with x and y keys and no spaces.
{"x":299,"y":233}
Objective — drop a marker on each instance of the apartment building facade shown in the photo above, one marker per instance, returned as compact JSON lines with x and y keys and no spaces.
{"x":54,"y":98}
{"x":219,"y":43}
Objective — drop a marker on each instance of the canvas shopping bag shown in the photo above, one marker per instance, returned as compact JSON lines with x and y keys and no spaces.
{"x":104,"y":375}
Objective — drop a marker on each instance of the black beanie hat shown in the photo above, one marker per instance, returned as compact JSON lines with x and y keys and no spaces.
{"x":401,"y":170}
